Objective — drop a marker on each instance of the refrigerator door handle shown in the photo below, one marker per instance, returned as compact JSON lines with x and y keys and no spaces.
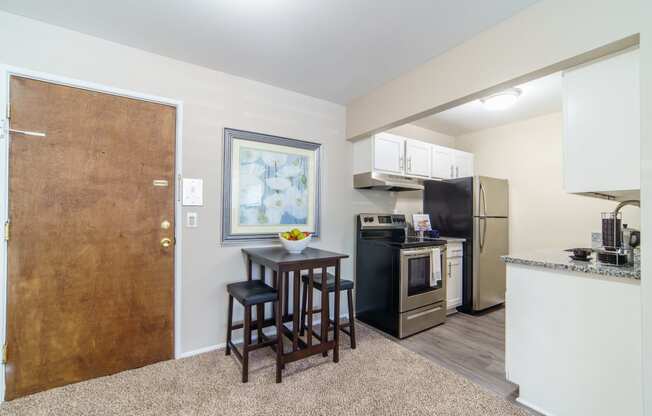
{"x":483,"y":232}
{"x":483,"y":200}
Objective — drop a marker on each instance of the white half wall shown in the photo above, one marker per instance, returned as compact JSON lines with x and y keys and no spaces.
{"x":542,"y":215}
{"x":573,"y":342}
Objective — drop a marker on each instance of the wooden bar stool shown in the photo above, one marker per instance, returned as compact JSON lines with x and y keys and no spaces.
{"x":254,"y":293}
{"x":330,"y":283}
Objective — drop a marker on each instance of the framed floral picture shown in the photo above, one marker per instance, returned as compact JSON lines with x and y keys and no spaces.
{"x":271,"y":184}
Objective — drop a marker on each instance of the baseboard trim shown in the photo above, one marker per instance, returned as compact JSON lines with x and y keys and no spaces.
{"x":533,"y":407}
{"x":202,"y":350}
{"x":215,"y":347}
{"x":453,"y":303}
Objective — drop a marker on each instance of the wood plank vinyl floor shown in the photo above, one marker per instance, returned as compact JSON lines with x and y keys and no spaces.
{"x":472,"y":346}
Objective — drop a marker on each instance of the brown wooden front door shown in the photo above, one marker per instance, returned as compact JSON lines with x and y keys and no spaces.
{"x":90,"y":286}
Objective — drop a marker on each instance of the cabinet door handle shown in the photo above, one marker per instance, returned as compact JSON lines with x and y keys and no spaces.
{"x":400,"y":162}
{"x":452,"y":171}
{"x":409,"y":163}
{"x":457,"y":171}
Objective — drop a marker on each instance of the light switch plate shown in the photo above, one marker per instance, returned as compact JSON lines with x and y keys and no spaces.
{"x":193,"y":193}
{"x":191,"y":220}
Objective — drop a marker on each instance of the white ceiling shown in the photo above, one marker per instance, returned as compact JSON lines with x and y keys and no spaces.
{"x":331,"y":49}
{"x":539,"y":97}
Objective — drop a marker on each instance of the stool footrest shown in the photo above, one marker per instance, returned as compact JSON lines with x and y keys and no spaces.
{"x":268,"y":343}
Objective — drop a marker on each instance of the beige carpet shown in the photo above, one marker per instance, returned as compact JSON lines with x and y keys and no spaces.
{"x":380,"y":377}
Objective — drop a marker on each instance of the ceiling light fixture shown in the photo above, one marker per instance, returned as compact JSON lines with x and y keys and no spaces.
{"x":501,"y":100}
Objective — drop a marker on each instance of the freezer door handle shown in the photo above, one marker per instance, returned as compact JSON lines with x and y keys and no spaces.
{"x":483,"y":200}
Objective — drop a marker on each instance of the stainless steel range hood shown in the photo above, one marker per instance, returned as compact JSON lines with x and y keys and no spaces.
{"x":386,"y":182}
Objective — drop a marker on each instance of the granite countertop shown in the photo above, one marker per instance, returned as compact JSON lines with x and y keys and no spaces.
{"x":560,"y":260}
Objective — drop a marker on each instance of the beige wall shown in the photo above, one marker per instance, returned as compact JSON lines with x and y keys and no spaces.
{"x":529,"y":154}
{"x":419,"y":133}
{"x":212,"y":101}
{"x":646,"y":201}
{"x":541,"y":36}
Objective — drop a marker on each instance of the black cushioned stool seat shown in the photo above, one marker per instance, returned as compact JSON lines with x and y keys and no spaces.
{"x":330,"y":282}
{"x":252,"y":292}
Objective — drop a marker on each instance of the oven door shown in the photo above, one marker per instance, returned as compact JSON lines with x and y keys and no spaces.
{"x":421,"y":285}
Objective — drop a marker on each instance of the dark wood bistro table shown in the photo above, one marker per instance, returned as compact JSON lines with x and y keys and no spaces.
{"x":282,"y":265}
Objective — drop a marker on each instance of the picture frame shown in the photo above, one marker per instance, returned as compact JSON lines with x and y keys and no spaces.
{"x":271,"y":184}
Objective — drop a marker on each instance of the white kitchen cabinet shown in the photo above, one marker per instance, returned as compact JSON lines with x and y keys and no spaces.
{"x":442,"y":162}
{"x":417,"y":158}
{"x":388,"y":161}
{"x":454,"y":275}
{"x":450,"y":163}
{"x":602,"y":127}
{"x":463,"y":162}
{"x":454,"y":288}
{"x":389,"y":153}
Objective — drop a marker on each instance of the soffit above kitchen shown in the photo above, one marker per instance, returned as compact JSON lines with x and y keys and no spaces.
{"x":335,"y":50}
{"x":538,"y":97}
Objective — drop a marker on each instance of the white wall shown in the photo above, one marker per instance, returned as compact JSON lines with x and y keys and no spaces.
{"x":529,"y":154}
{"x":541,"y":36}
{"x":212,"y":101}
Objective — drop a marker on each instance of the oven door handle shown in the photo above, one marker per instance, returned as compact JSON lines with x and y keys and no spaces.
{"x":411,"y":253}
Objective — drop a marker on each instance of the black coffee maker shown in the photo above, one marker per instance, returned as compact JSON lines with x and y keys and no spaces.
{"x":618,"y":241}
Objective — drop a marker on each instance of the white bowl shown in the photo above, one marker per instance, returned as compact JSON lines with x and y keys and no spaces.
{"x":295,"y":246}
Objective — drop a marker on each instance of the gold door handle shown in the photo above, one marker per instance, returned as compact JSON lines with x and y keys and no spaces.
{"x":166,"y":242}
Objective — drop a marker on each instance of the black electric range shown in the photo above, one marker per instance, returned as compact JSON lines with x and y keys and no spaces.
{"x":400,"y":279}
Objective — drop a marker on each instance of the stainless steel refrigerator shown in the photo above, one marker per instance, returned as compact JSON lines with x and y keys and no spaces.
{"x":475,"y":209}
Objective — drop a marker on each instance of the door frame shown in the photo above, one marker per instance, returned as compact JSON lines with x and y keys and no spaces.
{"x":6,"y":71}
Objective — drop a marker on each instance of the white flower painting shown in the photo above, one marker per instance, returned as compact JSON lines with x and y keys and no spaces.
{"x":273,"y":187}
